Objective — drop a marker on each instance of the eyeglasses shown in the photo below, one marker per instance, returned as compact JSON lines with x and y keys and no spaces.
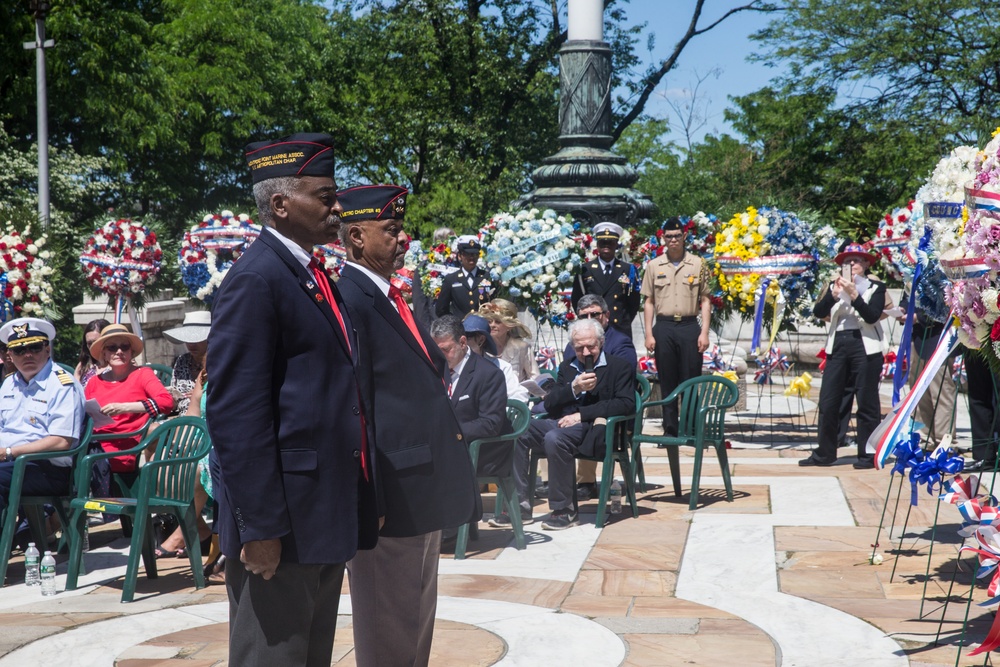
{"x":112,"y":347}
{"x":34,"y":348}
{"x":673,"y":237}
{"x":593,"y":315}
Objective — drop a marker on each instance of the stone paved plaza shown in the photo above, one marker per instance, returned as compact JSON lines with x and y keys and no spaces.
{"x":781,"y":576}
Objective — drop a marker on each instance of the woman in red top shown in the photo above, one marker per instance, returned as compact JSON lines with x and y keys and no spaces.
{"x":128,"y":393}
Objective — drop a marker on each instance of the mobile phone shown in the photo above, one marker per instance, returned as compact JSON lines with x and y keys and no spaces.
{"x":588,"y":364}
{"x":845,"y":272}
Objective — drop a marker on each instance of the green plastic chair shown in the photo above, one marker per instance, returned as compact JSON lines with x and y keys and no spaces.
{"x":33,"y":504}
{"x":164,"y":373}
{"x":66,"y":367}
{"x":519,"y":416}
{"x":644,"y":389}
{"x":165,"y":485}
{"x":701,"y":423}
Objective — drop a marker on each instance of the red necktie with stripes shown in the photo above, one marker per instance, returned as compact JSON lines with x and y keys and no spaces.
{"x":324,"y":287}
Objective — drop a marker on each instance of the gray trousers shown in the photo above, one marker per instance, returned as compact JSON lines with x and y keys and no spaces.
{"x":394,"y":600}
{"x":289,"y":619}
{"x":560,"y":446}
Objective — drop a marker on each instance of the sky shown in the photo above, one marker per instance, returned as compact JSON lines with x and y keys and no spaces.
{"x":725,"y":47}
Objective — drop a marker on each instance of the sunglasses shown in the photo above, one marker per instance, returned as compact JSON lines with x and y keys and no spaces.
{"x":673,"y":237}
{"x":591,"y":316}
{"x":113,"y":347}
{"x":34,"y":348}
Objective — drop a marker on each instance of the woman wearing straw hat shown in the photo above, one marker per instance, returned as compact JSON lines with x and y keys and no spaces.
{"x":127,"y":393}
{"x":193,"y":335}
{"x":508,"y":334}
{"x":854,"y":348}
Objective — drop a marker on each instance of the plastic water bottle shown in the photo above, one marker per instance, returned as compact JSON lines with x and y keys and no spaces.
{"x":616,"y":498}
{"x":48,"y":574}
{"x":31,"y":565}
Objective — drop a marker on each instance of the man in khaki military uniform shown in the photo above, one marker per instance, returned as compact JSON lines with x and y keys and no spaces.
{"x":676,"y":287}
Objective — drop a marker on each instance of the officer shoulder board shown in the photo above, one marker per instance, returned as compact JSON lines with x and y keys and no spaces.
{"x":64,"y":377}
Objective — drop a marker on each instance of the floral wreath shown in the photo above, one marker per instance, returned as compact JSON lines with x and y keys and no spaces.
{"x":332,"y":256}
{"x":973,"y":294}
{"x":121,"y":259}
{"x":700,"y":230}
{"x":209,"y":249}
{"x":432,"y":265}
{"x":895,"y":241}
{"x":536,"y":255}
{"x":766,"y":259}
{"x":24,"y":286}
{"x":941,"y":199}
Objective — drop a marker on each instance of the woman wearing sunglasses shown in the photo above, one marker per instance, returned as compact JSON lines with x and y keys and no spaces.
{"x":127,"y":393}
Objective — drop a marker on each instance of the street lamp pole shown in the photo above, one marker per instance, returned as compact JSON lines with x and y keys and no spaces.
{"x":586,"y":179}
{"x":39,"y":9}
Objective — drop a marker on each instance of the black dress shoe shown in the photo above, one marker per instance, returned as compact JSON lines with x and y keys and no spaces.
{"x":813,"y":461}
{"x":864,"y":463}
{"x":587,"y":491}
{"x":980,"y":466}
{"x":542,"y":491}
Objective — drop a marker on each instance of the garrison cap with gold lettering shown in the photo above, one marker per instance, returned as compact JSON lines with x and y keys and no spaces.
{"x":608,"y":231}
{"x":302,"y":154}
{"x":25,"y":331}
{"x":373,"y":202}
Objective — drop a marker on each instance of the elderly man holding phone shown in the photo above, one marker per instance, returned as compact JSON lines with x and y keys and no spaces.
{"x":589,"y":389}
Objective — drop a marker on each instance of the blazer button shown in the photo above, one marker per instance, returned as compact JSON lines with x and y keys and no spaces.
{"x":357,"y":453}
{"x":459,"y":436}
{"x":356,"y":410}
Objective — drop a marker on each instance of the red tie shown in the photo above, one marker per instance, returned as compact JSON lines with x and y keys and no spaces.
{"x":324,"y":287}
{"x":404,"y":312}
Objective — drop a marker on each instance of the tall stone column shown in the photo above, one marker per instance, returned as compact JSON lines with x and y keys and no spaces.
{"x":585,"y":178}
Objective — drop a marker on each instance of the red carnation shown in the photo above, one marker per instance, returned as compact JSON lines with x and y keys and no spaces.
{"x":995,"y":331}
{"x":20,"y":247}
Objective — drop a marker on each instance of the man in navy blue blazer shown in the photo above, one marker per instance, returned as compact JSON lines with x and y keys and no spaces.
{"x":425,"y":477}
{"x":296,"y":498}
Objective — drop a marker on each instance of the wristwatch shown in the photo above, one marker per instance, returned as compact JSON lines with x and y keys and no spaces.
{"x":7,"y":455}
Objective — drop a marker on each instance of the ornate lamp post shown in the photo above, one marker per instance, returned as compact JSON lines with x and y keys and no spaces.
{"x":585,"y":178}
{"x":39,"y":8}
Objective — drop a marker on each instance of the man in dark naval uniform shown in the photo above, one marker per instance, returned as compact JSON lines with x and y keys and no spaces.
{"x":608,"y":277}
{"x":465,"y":290}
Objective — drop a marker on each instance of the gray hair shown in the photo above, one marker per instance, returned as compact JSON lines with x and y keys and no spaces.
{"x":588,"y":326}
{"x":264,"y":190}
{"x":442,"y":234}
{"x":448,"y":326}
{"x":588,"y":300}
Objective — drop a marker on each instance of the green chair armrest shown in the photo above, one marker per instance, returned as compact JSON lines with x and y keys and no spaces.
{"x":23,"y":459}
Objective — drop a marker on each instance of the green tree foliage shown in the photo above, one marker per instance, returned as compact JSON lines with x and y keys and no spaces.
{"x":816,"y":155}
{"x":169,"y":92}
{"x":931,"y":66}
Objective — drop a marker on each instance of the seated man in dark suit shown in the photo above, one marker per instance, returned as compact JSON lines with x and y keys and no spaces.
{"x":478,"y":394}
{"x":589,"y":389}
{"x":617,"y":344}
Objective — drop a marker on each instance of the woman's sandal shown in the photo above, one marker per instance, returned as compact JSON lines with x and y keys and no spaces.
{"x":205,"y":545}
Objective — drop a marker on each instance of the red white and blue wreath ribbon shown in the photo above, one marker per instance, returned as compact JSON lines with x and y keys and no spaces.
{"x":893,"y":427}
{"x":988,"y":550}
{"x":982,"y":200}
{"x":769,"y":265}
